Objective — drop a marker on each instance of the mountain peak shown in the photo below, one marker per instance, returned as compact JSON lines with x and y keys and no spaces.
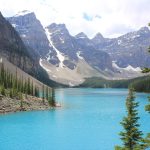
{"x":55,"y":25}
{"x":81,"y":35}
{"x":144,"y":29}
{"x":98,"y":36}
{"x":23,"y":13}
{"x":58,"y":28}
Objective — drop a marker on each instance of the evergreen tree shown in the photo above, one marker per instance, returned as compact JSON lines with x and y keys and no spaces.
{"x":147,"y":107}
{"x":3,"y":90}
{"x":131,"y":136}
{"x":36,"y":91}
{"x":28,"y":87}
{"x":53,"y":101}
{"x":21,"y":100}
{"x":32,"y":89}
{"x":147,"y":141}
{"x":11,"y":93}
{"x":43,"y":93}
{"x":47,"y":93}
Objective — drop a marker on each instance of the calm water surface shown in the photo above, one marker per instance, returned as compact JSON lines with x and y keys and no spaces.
{"x":89,"y":120}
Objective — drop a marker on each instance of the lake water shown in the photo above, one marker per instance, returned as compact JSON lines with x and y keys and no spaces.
{"x":88,"y":120}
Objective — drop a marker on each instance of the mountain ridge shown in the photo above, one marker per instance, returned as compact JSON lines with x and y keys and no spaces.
{"x":62,"y":50}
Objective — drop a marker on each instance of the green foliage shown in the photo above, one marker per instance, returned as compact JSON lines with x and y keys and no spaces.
{"x":131,"y":136}
{"x":36,"y":91}
{"x":119,"y":148}
{"x":51,"y":97}
{"x":140,"y":84}
{"x":16,"y":86}
{"x":147,"y":141}
{"x":147,"y":107}
{"x":43,"y":93}
{"x":53,"y":101}
{"x":146,"y":70}
{"x":11,"y":93}
{"x":3,"y":90}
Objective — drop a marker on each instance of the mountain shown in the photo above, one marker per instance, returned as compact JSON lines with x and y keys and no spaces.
{"x":61,"y":52}
{"x":129,"y":49}
{"x":15,"y":51}
{"x":31,"y":31}
{"x":13,"y":48}
{"x":70,"y":59}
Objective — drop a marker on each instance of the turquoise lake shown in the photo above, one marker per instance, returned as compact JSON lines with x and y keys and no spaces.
{"x":89,"y":120}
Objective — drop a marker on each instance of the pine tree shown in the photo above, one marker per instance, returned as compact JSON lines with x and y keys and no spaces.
{"x":147,"y":107}
{"x":21,"y":100}
{"x":147,"y":141}
{"x":3,"y":90}
{"x":32,"y":89}
{"x":47,"y":94}
{"x":28,"y":87}
{"x":43,"y":93}
{"x":36,"y":91}
{"x":131,"y":136}
{"x":53,"y":101}
{"x":11,"y":93}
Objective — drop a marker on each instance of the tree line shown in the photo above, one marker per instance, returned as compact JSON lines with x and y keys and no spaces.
{"x":131,"y":136}
{"x":13,"y":86}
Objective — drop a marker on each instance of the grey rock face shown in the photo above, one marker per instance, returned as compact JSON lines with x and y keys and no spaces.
{"x":55,"y":44}
{"x":70,"y":46}
{"x":12,"y":47}
{"x":31,"y":31}
{"x":129,"y":49}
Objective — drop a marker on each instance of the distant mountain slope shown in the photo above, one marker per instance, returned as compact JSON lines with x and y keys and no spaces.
{"x":62,"y":54}
{"x":12,"y":48}
{"x":31,"y":31}
{"x":140,"y":84}
{"x":129,"y":49}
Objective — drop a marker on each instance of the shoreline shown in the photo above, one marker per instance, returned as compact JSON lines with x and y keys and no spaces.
{"x":9,"y":105}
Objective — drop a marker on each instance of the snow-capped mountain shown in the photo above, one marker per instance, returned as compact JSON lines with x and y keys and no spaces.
{"x":31,"y":31}
{"x":129,"y":49}
{"x":69,"y":59}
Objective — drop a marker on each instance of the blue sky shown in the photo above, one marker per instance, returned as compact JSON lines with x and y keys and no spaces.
{"x":109,"y":17}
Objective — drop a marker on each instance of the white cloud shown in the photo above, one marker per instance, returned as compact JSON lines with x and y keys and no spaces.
{"x":110,"y":17}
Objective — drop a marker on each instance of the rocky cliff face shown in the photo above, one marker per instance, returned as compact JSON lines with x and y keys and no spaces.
{"x":31,"y":31}
{"x":13,"y":48}
{"x":129,"y":49}
{"x":62,"y":54}
{"x":56,"y":44}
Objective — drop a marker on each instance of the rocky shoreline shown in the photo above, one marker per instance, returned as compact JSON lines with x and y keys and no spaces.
{"x":8,"y":105}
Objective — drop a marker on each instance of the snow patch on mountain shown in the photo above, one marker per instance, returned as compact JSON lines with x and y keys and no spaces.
{"x":115,"y":65}
{"x":119,"y":42}
{"x":135,"y":36}
{"x":14,"y":25}
{"x":22,"y":13}
{"x":128,"y":68}
{"x":40,"y":62}
{"x":59,"y":54}
{"x":23,"y":35}
{"x":78,"y":55}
